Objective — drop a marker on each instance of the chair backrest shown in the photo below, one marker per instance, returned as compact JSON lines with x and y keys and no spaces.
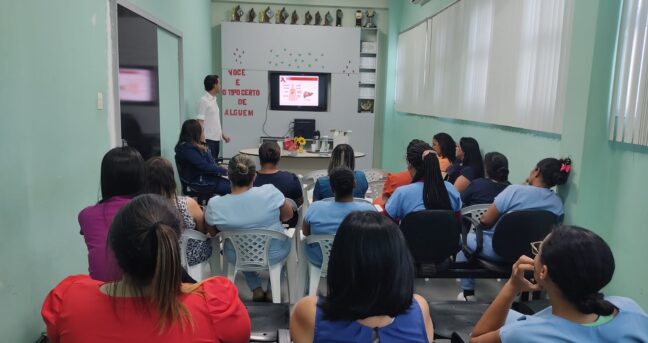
{"x":375,"y":189}
{"x":373,"y":174}
{"x":325,"y":243}
{"x":432,"y":235}
{"x":515,"y":231}
{"x":312,"y":177}
{"x":474,"y":213}
{"x":251,"y":247}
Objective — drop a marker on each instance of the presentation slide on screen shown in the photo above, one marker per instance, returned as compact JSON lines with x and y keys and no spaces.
{"x":298,"y":90}
{"x":136,"y":85}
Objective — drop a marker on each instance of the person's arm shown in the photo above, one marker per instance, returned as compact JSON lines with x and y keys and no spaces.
{"x":197,"y":214}
{"x":302,"y":321}
{"x":305,"y":228}
{"x":225,"y":137}
{"x":202,"y":110}
{"x":197,"y":159}
{"x":427,"y":320}
{"x":490,"y":217}
{"x":316,"y":191}
{"x":488,"y":326}
{"x":286,"y":211}
{"x":461,"y":183}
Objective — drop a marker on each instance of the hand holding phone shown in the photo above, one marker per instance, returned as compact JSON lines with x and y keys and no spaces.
{"x":522,"y":274}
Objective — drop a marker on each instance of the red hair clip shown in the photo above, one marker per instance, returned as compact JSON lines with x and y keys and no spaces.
{"x":565,"y":167}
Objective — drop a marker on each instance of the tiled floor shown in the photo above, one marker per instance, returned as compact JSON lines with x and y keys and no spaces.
{"x":432,"y":289}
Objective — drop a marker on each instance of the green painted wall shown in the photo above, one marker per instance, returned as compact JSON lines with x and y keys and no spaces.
{"x":605,"y":192}
{"x":53,"y":62}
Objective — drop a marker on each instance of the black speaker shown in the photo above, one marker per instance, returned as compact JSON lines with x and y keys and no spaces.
{"x":304,"y":128}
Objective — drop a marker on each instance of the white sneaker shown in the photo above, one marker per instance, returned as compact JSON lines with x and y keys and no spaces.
{"x":462,"y":297}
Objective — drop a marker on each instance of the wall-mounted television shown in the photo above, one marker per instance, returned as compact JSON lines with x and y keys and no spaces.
{"x":295,"y":91}
{"x":137,"y":85}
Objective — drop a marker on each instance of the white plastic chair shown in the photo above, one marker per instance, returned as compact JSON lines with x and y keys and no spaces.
{"x":374,"y":174}
{"x":312,"y":177}
{"x":474,"y":213}
{"x":375,"y":189}
{"x":315,"y":273}
{"x":201,"y":270}
{"x":251,"y":249}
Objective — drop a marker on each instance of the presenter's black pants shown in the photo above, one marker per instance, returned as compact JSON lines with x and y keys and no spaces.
{"x":214,"y":147}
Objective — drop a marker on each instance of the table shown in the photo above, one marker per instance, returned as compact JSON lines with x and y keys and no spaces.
{"x":299,"y":163}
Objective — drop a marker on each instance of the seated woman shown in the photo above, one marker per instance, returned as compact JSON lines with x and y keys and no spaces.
{"x":122,"y":171}
{"x":150,"y":304}
{"x":160,"y":180}
{"x":395,"y":180}
{"x":324,"y":217}
{"x":537,"y":195}
{"x":428,"y":191}
{"x":286,"y":182}
{"x":370,"y":294}
{"x":572,"y":265}
{"x":484,"y":190}
{"x":468,"y":166}
{"x":247,"y":208}
{"x":342,"y":155}
{"x":445,"y":148}
{"x":195,"y":163}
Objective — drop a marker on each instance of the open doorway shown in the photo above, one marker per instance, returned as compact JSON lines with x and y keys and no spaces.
{"x":147,"y":74}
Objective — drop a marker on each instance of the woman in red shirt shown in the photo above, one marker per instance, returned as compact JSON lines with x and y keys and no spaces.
{"x":150,"y":304}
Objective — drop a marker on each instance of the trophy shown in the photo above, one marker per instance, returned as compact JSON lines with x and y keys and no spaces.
{"x":366,"y":105}
{"x":328,"y":19}
{"x":266,"y":15}
{"x":294,"y":17}
{"x":318,"y":19}
{"x":338,"y":15}
{"x":251,"y":16}
{"x":370,"y":17}
{"x":307,"y":18}
{"x":262,"y":17}
{"x":237,"y":13}
{"x":282,"y":16}
{"x":358,"y":17}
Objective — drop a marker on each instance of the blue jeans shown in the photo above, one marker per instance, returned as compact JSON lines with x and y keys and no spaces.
{"x":314,"y":253}
{"x":278,"y":250}
{"x":214,"y":147}
{"x":486,"y":253}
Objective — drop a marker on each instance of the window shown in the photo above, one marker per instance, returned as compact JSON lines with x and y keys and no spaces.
{"x":629,"y":115}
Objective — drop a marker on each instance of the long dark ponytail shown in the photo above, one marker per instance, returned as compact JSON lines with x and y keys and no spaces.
{"x":144,"y":237}
{"x":435,"y":195}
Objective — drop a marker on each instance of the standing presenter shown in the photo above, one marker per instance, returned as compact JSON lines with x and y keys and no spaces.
{"x":209,"y":115}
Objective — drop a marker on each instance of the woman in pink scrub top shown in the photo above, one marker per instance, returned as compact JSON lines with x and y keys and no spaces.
{"x":121,"y":179}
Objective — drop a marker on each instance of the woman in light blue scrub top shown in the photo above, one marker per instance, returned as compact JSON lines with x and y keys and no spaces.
{"x":572,"y":265}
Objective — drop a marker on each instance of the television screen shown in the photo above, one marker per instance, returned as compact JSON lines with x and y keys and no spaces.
{"x":291,"y":91}
{"x":137,"y":85}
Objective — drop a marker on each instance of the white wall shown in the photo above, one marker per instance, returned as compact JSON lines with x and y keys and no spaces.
{"x":298,"y":48}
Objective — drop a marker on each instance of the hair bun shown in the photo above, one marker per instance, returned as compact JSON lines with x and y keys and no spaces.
{"x":241,"y":168}
{"x":595,"y":303}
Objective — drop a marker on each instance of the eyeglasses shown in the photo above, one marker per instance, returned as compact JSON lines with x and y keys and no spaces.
{"x":535,"y":247}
